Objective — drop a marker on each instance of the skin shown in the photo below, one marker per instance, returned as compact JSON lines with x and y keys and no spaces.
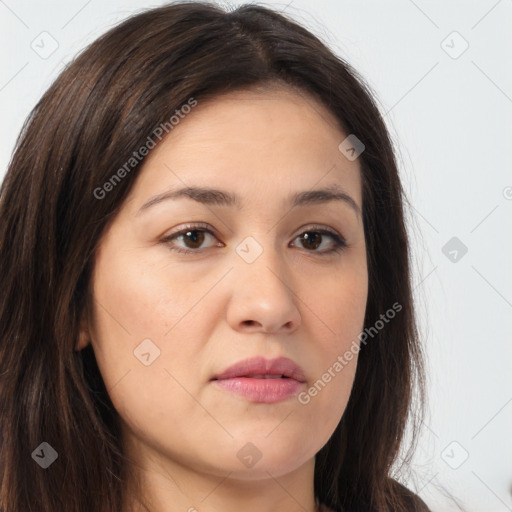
{"x":208,"y":310}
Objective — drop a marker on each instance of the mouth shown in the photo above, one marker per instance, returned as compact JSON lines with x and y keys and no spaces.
{"x":261,"y":368}
{"x":265,"y":390}
{"x":259,"y":376}
{"x":261,"y":380}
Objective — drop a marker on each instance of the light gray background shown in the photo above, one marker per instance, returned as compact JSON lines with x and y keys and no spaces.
{"x":450,"y":116}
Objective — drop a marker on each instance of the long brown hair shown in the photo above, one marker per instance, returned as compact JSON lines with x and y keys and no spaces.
{"x":88,"y":124}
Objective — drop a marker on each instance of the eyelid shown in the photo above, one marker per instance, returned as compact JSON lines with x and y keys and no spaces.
{"x":318,"y":227}
{"x":191,"y":226}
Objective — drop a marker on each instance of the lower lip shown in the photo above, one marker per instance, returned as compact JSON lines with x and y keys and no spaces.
{"x":265,"y":391}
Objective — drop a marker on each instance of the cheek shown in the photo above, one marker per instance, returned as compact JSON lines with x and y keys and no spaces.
{"x":140,"y":294}
{"x":339,"y":309}
{"x":147,"y":338}
{"x":147,"y":310}
{"x":124,"y":315}
{"x":340,"y":305}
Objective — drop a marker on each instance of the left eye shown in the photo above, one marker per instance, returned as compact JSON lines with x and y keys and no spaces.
{"x":313,"y":239}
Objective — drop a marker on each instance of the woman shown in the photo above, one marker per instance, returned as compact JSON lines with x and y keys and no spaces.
{"x":206,"y":294}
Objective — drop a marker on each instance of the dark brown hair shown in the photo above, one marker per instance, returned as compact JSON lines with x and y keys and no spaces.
{"x":100,"y":110}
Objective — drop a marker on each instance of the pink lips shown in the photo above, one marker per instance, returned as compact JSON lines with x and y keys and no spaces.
{"x":262,"y":380}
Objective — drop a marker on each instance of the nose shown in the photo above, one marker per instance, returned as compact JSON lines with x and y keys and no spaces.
{"x":263,"y":299}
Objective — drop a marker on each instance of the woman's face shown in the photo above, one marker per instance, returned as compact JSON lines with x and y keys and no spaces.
{"x":261,"y":279}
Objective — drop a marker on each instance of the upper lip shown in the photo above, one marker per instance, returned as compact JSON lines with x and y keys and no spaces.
{"x":262,"y":366}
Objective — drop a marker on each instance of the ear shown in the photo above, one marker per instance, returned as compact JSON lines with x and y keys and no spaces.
{"x":84,"y":336}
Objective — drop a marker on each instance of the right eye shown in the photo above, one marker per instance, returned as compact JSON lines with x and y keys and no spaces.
{"x":193,"y":236}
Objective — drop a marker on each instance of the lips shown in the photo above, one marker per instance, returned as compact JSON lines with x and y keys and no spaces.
{"x":263,"y":381}
{"x":261,"y":368}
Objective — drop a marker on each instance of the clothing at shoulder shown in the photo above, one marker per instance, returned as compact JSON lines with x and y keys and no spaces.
{"x":325,"y":508}
{"x":415,"y":503}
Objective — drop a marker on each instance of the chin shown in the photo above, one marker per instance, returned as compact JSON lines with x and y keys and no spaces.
{"x":258,"y":456}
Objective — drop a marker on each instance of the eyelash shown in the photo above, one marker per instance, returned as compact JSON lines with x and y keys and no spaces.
{"x":339,"y":242}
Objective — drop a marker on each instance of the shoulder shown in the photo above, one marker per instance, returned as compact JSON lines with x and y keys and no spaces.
{"x":411,"y":500}
{"x":325,"y":508}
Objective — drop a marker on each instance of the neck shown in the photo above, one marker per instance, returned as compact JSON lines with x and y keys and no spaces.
{"x":169,"y":489}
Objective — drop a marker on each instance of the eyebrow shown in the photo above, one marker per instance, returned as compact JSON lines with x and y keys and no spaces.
{"x":216,"y":197}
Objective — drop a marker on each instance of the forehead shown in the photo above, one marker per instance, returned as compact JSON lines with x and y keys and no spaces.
{"x":249,"y":141}
{"x":262,"y":112}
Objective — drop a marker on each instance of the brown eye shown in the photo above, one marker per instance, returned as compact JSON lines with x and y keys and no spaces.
{"x":191,"y":239}
{"x":195,"y":237}
{"x":313,"y":239}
